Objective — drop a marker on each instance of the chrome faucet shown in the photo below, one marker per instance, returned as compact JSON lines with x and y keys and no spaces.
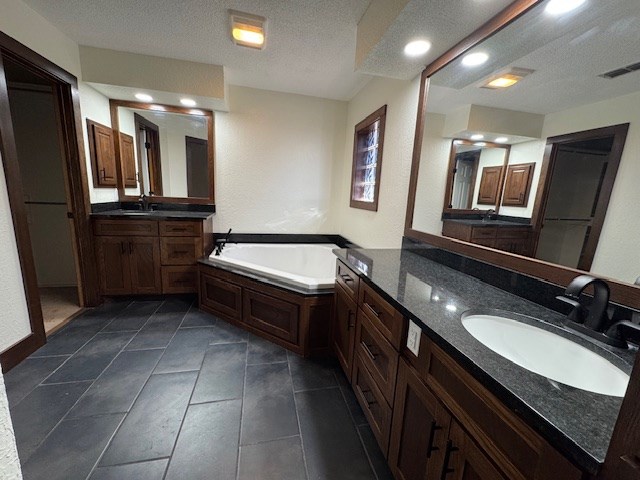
{"x":487,"y":215}
{"x":593,"y":319}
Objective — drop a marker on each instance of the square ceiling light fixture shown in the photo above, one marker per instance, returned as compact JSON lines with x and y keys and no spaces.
{"x":247,"y":30}
{"x":506,"y":79}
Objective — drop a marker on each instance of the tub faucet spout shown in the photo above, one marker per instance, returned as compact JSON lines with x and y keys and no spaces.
{"x":220,"y":243}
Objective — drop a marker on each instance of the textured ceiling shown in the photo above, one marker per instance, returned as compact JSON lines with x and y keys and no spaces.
{"x":567,"y":53}
{"x":442,"y":22}
{"x":310,"y":45}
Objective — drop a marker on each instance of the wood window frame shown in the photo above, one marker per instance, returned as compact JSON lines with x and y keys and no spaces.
{"x":362,"y":129}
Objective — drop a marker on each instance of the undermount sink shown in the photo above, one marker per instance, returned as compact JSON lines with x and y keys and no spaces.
{"x":546,"y":353}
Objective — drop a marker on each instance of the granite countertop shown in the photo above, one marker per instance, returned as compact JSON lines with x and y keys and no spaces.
{"x":578,"y":423}
{"x":153,"y":214}
{"x":487,"y":223}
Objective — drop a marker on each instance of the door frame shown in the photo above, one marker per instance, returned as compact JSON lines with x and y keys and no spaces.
{"x":75,"y":172}
{"x":619,"y":134}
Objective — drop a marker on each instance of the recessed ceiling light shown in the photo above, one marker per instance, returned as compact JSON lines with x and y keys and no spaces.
{"x":474,"y":59}
{"x":143,"y":97}
{"x":416,"y":48}
{"x":196,"y":112}
{"x":480,"y":144}
{"x":247,"y":30}
{"x":558,"y":7}
{"x":457,"y":142}
{"x":158,"y":108}
{"x":188,"y":102}
{"x":502,"y":140}
{"x":477,"y":136}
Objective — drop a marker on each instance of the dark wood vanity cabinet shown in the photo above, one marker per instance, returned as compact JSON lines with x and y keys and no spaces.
{"x":431,"y":418}
{"x":137,"y":256}
{"x":344,"y":328}
{"x":514,"y":239}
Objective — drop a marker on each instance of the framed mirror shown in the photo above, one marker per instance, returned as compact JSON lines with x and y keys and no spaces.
{"x":562,"y":91}
{"x":163,"y":152}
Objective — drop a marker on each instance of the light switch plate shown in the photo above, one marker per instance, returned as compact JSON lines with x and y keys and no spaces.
{"x":413,"y":338}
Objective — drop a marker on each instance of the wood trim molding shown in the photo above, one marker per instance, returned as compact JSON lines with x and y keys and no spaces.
{"x":115,"y":125}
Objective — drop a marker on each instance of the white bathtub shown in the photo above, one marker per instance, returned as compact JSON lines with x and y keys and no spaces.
{"x":308,"y":267}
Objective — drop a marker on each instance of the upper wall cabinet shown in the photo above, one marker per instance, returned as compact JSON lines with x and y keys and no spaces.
{"x":102,"y":155}
{"x":518,"y":184}
{"x":165,"y":152}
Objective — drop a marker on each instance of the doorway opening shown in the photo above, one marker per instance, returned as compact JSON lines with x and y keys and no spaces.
{"x":581,"y":172}
{"x":37,"y":133}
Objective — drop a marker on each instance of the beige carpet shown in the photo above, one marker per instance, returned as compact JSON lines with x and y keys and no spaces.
{"x":59,"y":304}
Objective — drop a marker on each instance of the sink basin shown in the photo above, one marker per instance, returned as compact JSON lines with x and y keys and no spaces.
{"x":547,"y":354}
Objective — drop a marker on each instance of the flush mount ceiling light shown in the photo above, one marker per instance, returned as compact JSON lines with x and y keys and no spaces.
{"x":477,"y":136}
{"x":474,"y":59}
{"x":507,"y":79}
{"x":143,"y":97}
{"x":558,"y":7}
{"x":188,"y":102}
{"x":416,"y":48}
{"x":502,"y":140}
{"x":247,"y":30}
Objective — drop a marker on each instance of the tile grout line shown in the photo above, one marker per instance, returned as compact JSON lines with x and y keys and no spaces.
{"x":108,"y":444}
{"x":244,"y":392}
{"x":295,"y":407}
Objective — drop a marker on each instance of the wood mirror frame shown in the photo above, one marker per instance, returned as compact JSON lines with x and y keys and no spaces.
{"x":448,"y":192}
{"x":115,"y":125}
{"x":622,"y":293}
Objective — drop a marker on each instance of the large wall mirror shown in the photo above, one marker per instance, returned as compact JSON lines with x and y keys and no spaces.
{"x":561,"y":94}
{"x":164,"y":152}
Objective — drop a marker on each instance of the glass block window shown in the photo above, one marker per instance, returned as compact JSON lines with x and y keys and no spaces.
{"x":367,"y":160}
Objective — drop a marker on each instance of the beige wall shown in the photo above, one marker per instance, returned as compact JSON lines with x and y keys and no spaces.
{"x":384,"y":228}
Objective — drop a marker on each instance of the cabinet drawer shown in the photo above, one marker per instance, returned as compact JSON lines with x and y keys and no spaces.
{"x":142,"y":228}
{"x":373,"y":404}
{"x":180,"y":250}
{"x":221,"y":297}
{"x":483,"y":232}
{"x":377,"y":354}
{"x":514,"y":446}
{"x":271,"y":315}
{"x":180,"y":228}
{"x":383,"y":316}
{"x":347,"y":278}
{"x":514,"y":232}
{"x":179,"y":279}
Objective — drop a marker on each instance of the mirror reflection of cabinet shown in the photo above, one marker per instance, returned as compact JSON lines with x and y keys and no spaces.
{"x":172,"y":150}
{"x":489,"y":185}
{"x":518,"y":184}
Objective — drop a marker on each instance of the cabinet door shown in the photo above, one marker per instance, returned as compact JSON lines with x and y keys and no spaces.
{"x":489,"y":185}
{"x":221,"y":297}
{"x":419,"y":430}
{"x":518,"y":184}
{"x":271,"y":315}
{"x":113,"y":264}
{"x":102,"y":154}
{"x":128,"y":158}
{"x":145,"y":265}
{"x":344,"y":329}
{"x":464,"y":460}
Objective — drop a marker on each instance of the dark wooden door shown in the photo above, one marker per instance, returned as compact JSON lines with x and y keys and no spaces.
{"x":113,"y":264}
{"x":344,"y":329}
{"x":128,"y":160}
{"x":464,"y":460}
{"x":197,"y":167}
{"x":145,"y":265}
{"x":419,"y":430}
{"x":489,"y":185}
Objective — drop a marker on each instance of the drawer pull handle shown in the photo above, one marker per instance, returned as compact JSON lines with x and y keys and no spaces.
{"x":346,"y":278}
{"x":122,"y":248}
{"x":370,"y":403}
{"x":130,"y":247}
{"x":351,"y":323}
{"x":447,"y":457}
{"x":181,"y":252}
{"x":432,"y":435}
{"x":178,"y":229}
{"x":367,"y":350}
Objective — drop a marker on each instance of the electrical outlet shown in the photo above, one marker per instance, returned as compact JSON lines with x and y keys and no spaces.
{"x":413,"y":338}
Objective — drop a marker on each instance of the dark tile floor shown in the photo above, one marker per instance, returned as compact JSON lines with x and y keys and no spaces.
{"x":156,"y":389}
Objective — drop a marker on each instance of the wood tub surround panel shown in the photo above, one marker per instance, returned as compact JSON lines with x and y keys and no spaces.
{"x":297,"y":322}
{"x":444,"y":423}
{"x":142,"y":256}
{"x":344,"y":328}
